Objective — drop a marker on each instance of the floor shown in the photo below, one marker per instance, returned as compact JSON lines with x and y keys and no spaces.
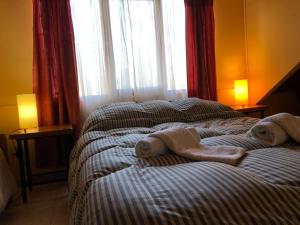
{"x":47,"y":205}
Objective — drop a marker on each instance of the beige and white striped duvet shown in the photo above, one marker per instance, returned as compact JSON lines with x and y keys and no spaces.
{"x":110,"y":185}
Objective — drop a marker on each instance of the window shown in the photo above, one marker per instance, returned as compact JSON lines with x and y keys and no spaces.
{"x":130,"y":48}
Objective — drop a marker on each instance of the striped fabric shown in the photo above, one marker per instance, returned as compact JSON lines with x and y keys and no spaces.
{"x":109,"y":185}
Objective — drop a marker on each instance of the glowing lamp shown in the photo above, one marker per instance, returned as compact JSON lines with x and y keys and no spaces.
{"x":241,"y":92}
{"x":27,"y":111}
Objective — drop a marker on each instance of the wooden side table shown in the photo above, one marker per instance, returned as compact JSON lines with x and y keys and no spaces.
{"x":248,"y":109}
{"x":22,"y":137}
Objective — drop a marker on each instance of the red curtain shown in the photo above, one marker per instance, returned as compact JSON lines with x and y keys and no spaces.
{"x":54,"y":69}
{"x":200,"y":47}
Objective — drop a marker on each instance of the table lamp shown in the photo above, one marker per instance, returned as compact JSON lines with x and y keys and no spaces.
{"x":241,"y":92}
{"x":27,"y":111}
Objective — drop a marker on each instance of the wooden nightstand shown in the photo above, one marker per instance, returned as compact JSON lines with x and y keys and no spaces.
{"x":22,"y":136}
{"x":247,"y":109}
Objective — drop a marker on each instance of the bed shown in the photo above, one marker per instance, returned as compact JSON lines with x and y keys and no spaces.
{"x":8,"y":185}
{"x":108,"y":184}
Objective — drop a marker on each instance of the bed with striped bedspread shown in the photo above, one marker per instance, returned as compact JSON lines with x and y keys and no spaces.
{"x":109,"y":185}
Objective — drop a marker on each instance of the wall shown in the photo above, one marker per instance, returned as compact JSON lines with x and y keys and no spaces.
{"x":263,"y":49}
{"x":230,"y":46}
{"x":273,"y":34}
{"x":15,"y":60}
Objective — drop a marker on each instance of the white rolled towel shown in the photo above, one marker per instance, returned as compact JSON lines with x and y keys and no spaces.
{"x":153,"y":146}
{"x":150,"y":147}
{"x":268,"y":133}
{"x":276,"y":129}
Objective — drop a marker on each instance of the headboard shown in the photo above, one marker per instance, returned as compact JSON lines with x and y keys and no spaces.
{"x":3,"y":144}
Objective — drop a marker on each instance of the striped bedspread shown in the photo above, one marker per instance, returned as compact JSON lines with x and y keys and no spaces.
{"x":109,"y":185}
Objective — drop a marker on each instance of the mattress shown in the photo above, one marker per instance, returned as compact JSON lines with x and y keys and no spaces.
{"x":8,"y":185}
{"x":109,"y":185}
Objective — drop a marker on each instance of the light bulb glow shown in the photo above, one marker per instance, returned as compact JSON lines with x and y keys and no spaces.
{"x":27,"y":111}
{"x":241,"y":92}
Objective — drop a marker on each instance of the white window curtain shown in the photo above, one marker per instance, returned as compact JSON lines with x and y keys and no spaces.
{"x":129,"y":50}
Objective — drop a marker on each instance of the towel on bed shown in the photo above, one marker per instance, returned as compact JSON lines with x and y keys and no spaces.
{"x":276,"y":129}
{"x":152,"y":146}
{"x":268,"y":133}
{"x":182,"y":142}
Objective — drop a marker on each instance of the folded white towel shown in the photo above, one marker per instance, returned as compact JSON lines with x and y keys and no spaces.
{"x":152,"y":146}
{"x":221,"y":153}
{"x":194,"y":133}
{"x":182,"y":142}
{"x":276,"y":129}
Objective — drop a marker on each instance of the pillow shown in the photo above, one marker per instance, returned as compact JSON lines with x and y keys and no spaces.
{"x":151,"y":113}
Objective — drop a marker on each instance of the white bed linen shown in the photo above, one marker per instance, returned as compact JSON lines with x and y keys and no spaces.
{"x":8,"y":184}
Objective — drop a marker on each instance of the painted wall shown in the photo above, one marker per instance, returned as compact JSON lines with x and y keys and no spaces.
{"x":15,"y":60}
{"x":230,"y":46}
{"x":273,"y":34}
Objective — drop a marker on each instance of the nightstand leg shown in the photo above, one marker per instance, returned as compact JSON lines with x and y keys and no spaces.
{"x":22,"y":172}
{"x":28,"y":168}
{"x":69,"y":149}
{"x":262,"y":114}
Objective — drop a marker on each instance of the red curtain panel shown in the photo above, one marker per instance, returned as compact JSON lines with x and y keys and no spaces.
{"x":200,"y":49}
{"x":54,"y":70}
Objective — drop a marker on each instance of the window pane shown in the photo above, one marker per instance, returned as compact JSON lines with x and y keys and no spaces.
{"x":174,"y":42}
{"x":89,"y":46}
{"x":134,"y":43}
{"x":130,"y":46}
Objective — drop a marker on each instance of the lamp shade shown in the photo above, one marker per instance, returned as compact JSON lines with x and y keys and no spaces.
{"x":241,"y":92}
{"x":27,"y":111}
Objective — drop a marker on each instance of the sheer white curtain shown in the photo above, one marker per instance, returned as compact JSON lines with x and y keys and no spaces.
{"x":129,"y":50}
